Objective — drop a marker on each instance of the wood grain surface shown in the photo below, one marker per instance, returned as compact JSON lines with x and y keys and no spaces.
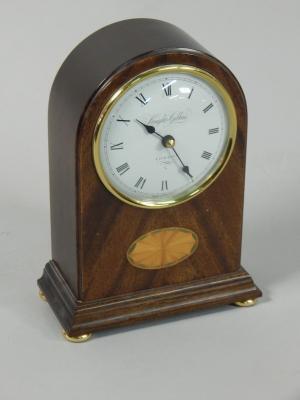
{"x":108,"y":226}
{"x":80,"y":317}
{"x":162,"y":248}
{"x":92,"y":230}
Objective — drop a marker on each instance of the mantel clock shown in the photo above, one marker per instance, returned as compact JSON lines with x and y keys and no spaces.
{"x":147,"y":140}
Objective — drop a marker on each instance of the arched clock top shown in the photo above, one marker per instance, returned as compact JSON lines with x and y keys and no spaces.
{"x":102,"y":231}
{"x":90,"y":75}
{"x":97,"y":57}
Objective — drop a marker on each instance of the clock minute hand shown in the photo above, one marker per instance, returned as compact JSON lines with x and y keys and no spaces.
{"x":185,"y":168}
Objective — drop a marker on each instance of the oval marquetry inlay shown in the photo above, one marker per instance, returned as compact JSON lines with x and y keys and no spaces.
{"x":162,"y":248}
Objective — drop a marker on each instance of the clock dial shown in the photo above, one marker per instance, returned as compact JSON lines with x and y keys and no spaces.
{"x":165,"y":136}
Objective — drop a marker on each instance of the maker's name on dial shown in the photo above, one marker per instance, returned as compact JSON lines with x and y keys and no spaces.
{"x":174,"y":118}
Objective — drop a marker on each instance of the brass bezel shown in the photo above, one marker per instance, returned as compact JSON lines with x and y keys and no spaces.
{"x":220,"y":165}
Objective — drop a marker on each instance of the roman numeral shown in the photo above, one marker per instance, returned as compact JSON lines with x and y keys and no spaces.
{"x":142,"y":99}
{"x":167,"y":89}
{"x":213,"y":130}
{"x":123,"y":168}
{"x":207,"y":108}
{"x":191,"y":92}
{"x":140,"y":182}
{"x":118,"y":146}
{"x":206,"y":155}
{"x":164,"y":185}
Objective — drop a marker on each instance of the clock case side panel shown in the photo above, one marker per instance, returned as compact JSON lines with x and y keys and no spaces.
{"x":215,"y":215}
{"x":82,"y":73}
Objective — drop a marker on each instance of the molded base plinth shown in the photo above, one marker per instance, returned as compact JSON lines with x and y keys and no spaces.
{"x":78,"y":317}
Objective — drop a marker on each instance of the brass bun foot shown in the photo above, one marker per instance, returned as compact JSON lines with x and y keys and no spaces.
{"x":42,"y":296}
{"x":245,"y":303}
{"x":77,"y":339}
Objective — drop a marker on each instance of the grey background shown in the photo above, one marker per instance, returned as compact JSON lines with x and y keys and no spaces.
{"x":228,"y":353}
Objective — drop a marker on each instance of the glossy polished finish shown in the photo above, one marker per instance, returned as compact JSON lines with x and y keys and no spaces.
{"x":79,"y":78}
{"x":162,"y":248}
{"x":77,"y":339}
{"x":90,"y":283}
{"x":190,"y":118}
{"x":78,"y":317}
{"x":42,"y":296}
{"x":168,"y":141}
{"x":108,"y":226}
{"x":246,"y":303}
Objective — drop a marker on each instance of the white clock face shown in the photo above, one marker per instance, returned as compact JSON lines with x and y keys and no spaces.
{"x":164,"y":137}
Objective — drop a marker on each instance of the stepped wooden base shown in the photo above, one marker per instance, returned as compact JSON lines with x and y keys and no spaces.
{"x":81,"y":318}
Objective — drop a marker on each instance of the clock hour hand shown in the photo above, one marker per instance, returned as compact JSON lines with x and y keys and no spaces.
{"x":150,"y":129}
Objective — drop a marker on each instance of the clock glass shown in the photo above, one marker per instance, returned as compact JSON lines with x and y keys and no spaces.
{"x":164,"y":136}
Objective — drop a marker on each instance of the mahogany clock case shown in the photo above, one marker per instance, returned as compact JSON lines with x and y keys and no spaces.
{"x":89,"y":282}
